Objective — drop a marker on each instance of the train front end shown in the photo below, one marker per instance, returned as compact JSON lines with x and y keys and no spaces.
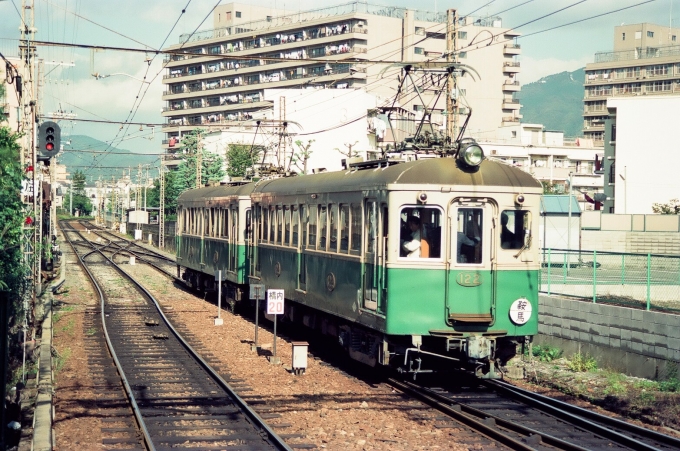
{"x":461,"y":282}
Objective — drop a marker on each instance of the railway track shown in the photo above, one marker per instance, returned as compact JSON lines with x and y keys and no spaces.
{"x":524,"y":420}
{"x":178,"y":401}
{"x":162,"y":262}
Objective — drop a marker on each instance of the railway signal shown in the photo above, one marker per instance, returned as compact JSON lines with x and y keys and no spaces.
{"x":49,"y":139}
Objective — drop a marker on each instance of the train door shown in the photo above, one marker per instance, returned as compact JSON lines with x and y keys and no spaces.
{"x":374,"y":251}
{"x":470,"y":295}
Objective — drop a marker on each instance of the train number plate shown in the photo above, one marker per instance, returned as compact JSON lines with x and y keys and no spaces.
{"x":469,"y":279}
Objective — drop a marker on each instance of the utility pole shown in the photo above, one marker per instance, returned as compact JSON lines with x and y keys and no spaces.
{"x":451,"y":82}
{"x":161,"y":208}
{"x":282,"y":118}
{"x":199,"y":158}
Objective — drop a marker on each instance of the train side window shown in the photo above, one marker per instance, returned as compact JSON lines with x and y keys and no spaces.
{"x":279,"y":225}
{"x":225,"y":224}
{"x":371,"y":226}
{"x":333,"y":228}
{"x":249,"y":225}
{"x":469,"y":235}
{"x":304,"y":219}
{"x":355,"y":229}
{"x":265,"y":224}
{"x":295,"y":225}
{"x":421,"y":232}
{"x":515,"y":229}
{"x":286,"y":225}
{"x":312,"y":228}
{"x":323,"y":232}
{"x":272,"y":225}
{"x":343,"y":224}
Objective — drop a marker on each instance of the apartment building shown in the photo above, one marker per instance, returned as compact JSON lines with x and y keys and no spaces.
{"x":645,"y":62}
{"x":221,"y":81}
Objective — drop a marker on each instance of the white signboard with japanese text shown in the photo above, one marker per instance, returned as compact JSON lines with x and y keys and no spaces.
{"x":275,"y":302}
{"x":520,"y":311}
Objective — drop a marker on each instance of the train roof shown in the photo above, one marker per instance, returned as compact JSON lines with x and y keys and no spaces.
{"x":432,"y":171}
{"x":217,"y":194}
{"x":427,"y":172}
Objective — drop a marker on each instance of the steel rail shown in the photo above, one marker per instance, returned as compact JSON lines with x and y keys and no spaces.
{"x":444,"y":406}
{"x":544,"y":402}
{"x":128,"y":389}
{"x":250,"y":413}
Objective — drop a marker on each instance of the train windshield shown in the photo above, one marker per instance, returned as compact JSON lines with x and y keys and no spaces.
{"x":469,"y":235}
{"x":515,"y":229}
{"x":421,"y":233}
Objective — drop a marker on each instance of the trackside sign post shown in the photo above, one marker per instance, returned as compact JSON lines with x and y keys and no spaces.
{"x":275,"y":303}
{"x":218,"y":276}
{"x":257,"y":293}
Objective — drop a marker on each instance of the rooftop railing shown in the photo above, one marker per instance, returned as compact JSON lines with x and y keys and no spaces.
{"x":338,"y":10}
{"x":640,"y":53}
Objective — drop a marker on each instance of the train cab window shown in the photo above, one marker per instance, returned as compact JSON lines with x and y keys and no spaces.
{"x":279,"y":224}
{"x":286,"y":226}
{"x":312,"y":228}
{"x":371,"y":226}
{"x":421,"y":233}
{"x":333,"y":228}
{"x":295,"y":225}
{"x":343,"y":225}
{"x":265,"y":225}
{"x":355,"y":229}
{"x":469,"y":236}
{"x":515,"y":229}
{"x":323,"y":221}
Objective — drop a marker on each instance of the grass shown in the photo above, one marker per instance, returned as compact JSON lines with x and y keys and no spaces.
{"x":61,"y":359}
{"x":546,"y":353}
{"x":91,"y":331}
{"x":581,"y":363}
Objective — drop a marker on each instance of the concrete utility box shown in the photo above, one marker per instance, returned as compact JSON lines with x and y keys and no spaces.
{"x":299,"y":357}
{"x":138,"y":234}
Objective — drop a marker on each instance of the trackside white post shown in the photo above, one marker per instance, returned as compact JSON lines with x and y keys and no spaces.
{"x":218,"y":276}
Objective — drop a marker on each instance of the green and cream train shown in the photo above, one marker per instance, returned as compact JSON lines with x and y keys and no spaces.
{"x":424,"y":262}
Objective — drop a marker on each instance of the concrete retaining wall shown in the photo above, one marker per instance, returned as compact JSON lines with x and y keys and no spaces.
{"x":636,"y":342}
{"x":665,"y":243}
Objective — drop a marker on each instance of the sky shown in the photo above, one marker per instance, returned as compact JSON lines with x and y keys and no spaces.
{"x":155,"y":24}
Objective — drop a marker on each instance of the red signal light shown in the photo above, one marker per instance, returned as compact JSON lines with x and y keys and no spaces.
{"x":49,"y":146}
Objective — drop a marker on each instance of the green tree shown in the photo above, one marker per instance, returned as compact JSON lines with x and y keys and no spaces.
{"x":81,"y":203}
{"x":672,"y":207}
{"x":78,"y":182}
{"x":12,"y":215}
{"x":552,"y":188}
{"x":300,"y":158}
{"x":171,"y":193}
{"x":240,"y":158}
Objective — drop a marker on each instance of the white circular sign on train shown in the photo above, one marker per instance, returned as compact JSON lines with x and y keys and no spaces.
{"x":520,"y":311}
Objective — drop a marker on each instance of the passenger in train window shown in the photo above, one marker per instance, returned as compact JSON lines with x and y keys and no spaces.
{"x":464,"y":240}
{"x":410,"y":245}
{"x":508,"y":239}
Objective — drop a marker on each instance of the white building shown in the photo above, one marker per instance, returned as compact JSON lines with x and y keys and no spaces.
{"x":550,"y":158}
{"x":641,"y":153}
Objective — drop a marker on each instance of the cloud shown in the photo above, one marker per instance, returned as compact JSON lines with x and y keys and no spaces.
{"x":534,"y":69}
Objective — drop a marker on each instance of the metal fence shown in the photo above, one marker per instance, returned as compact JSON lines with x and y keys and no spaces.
{"x":641,"y":280}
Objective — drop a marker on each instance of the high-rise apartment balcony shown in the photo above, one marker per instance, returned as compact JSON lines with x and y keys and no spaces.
{"x":511,"y":67}
{"x":511,"y":86}
{"x":512,"y":49}
{"x":510,"y":119}
{"x":511,"y":104}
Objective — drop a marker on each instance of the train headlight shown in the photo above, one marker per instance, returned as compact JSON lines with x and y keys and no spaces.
{"x":471,"y":154}
{"x":520,"y":311}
